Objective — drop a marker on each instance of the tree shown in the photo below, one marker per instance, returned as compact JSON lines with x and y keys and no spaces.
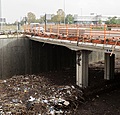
{"x":99,"y":21}
{"x":60,"y":16}
{"x":23,"y":21}
{"x":31,"y":17}
{"x":118,"y":21}
{"x":55,"y":19}
{"x":69,"y":19}
{"x":112,"y":20}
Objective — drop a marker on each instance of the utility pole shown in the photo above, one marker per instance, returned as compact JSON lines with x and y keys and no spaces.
{"x":45,"y":22}
{"x":0,"y":16}
{"x":81,"y":11}
{"x":64,"y":11}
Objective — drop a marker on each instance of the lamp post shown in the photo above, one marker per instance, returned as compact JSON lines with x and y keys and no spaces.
{"x":81,"y":11}
{"x":0,"y":9}
{"x":64,"y":11}
{"x":0,"y":16}
{"x":45,"y":22}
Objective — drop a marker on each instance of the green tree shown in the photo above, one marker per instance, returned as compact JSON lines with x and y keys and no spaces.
{"x":100,"y":21}
{"x":42,"y":19}
{"x":31,"y":17}
{"x":55,"y":19}
{"x":23,"y":21}
{"x":112,"y":20}
{"x":59,"y":18}
{"x":118,"y":21}
{"x":69,"y":19}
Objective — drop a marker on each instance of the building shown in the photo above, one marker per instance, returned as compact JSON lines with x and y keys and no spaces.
{"x":92,"y":19}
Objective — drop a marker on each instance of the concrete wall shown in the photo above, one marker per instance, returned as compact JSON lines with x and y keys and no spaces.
{"x":14,"y":57}
{"x":96,"y":56}
{"x":23,"y":56}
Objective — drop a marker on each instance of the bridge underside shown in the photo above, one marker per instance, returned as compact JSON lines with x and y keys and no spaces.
{"x":46,"y":57}
{"x":82,"y":62}
{"x":19,"y":56}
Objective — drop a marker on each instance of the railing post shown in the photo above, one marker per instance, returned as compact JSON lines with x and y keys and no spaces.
{"x":67,"y":29}
{"x":44,"y":28}
{"x":90,"y":30}
{"x":29,"y":29}
{"x":39,"y":29}
{"x":50,"y":29}
{"x":105,"y":34}
{"x":58,"y":29}
{"x":24,"y":28}
{"x":77,"y":33}
{"x":35,"y":29}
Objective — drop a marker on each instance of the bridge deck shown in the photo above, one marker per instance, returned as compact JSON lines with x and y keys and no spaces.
{"x":77,"y":38}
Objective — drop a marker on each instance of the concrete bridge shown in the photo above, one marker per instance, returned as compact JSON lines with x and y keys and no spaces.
{"x":83,"y":40}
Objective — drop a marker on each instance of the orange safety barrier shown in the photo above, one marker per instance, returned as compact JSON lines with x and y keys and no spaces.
{"x":85,"y":33}
{"x":58,"y":29}
{"x":50,"y":29}
{"x":67,"y":29}
{"x":90,"y":31}
{"x":104,"y":34}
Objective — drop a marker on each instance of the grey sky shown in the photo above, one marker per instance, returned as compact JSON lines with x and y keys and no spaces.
{"x":15,"y":9}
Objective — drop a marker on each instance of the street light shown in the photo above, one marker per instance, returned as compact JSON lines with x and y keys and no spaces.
{"x":64,"y":11}
{"x":0,"y":9}
{"x":0,"y":16}
{"x":81,"y":11}
{"x":45,"y":22}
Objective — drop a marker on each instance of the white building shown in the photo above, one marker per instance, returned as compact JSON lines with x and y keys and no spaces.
{"x":92,"y":19}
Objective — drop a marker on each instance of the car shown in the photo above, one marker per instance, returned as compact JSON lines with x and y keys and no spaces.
{"x":36,"y":27}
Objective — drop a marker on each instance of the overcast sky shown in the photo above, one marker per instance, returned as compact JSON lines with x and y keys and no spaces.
{"x":16,"y":9}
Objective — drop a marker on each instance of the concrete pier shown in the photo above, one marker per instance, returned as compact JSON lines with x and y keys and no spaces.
{"x":109,"y":66}
{"x":82,"y":68}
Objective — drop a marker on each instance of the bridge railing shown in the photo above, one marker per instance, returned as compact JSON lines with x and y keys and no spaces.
{"x":86,"y":33}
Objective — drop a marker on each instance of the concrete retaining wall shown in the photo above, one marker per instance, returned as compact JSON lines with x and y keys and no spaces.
{"x":96,"y":56}
{"x":14,"y":57}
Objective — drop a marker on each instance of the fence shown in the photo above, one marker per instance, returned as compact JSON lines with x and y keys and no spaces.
{"x":87,"y":33}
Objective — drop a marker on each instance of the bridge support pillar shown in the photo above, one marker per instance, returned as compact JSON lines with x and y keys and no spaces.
{"x":109,"y":66}
{"x":82,"y":68}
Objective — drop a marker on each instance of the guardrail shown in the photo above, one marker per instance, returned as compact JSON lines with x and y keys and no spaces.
{"x":82,"y":33}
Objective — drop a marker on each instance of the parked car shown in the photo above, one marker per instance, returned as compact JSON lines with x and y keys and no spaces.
{"x":36,"y":27}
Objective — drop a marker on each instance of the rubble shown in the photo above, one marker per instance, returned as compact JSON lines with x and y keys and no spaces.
{"x":31,"y":94}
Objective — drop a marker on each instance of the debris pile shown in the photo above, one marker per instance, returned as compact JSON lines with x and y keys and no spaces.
{"x":36,"y":95}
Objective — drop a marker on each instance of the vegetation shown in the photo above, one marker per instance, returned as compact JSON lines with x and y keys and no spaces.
{"x":69,"y":19}
{"x":113,"y":20}
{"x":57,"y":18}
{"x":31,"y":17}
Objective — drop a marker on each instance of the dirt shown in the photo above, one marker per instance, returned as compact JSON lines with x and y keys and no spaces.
{"x":101,"y":98}
{"x":103,"y":104}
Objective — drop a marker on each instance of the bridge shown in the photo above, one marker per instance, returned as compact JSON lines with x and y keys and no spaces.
{"x":83,"y":39}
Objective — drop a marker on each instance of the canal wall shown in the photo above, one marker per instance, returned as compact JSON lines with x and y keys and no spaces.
{"x":14,"y":53}
{"x":24,"y":56}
